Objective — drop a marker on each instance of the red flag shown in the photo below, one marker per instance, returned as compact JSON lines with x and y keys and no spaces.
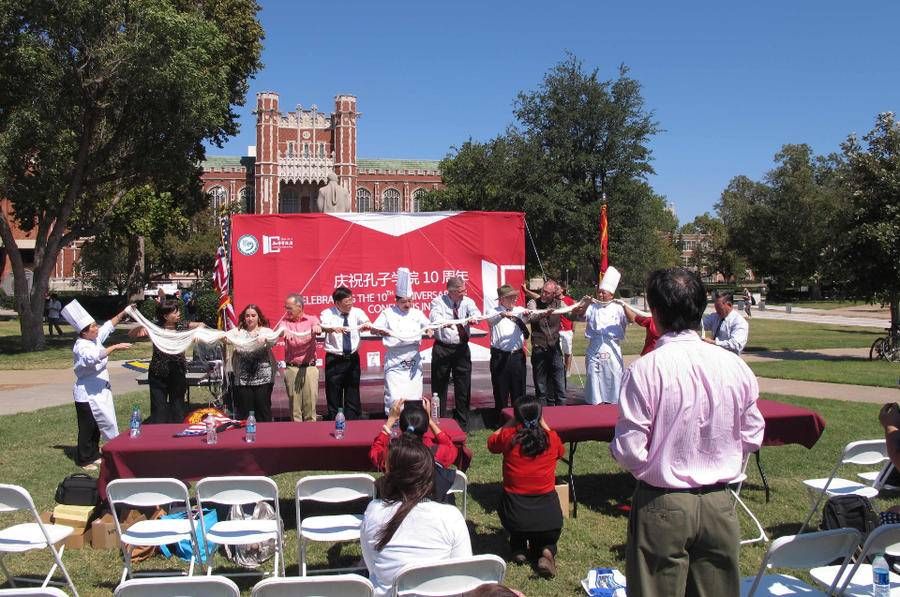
{"x":226,"y":317}
{"x":604,"y":241}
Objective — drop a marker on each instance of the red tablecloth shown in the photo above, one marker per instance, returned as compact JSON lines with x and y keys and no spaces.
{"x":279,"y":448}
{"x":785,"y":423}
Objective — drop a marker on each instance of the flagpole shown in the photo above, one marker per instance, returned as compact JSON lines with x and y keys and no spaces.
{"x":604,"y":238}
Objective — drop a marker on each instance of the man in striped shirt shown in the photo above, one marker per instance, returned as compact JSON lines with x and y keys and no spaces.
{"x":687,"y":420}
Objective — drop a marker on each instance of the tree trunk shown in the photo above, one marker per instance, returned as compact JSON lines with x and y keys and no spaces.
{"x":895,"y":318}
{"x":135,"y":289}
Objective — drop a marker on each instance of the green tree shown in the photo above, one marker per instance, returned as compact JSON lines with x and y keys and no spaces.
{"x":99,"y":97}
{"x":785,"y":225}
{"x":712,"y":254}
{"x":868,"y":242}
{"x":577,"y":137}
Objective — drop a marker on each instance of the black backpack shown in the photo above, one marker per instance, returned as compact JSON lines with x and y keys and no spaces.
{"x":849,"y":512}
{"x":78,"y":490}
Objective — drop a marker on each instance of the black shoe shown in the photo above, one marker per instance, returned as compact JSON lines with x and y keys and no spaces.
{"x":546,"y":564}
{"x":519,"y":558}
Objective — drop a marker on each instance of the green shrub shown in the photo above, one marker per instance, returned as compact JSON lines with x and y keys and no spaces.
{"x":207,"y":302}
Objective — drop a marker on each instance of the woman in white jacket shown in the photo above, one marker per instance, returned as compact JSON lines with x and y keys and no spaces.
{"x":93,"y":397}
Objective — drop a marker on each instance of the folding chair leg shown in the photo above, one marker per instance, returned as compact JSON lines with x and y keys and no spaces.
{"x":762,"y":533}
{"x":813,"y":511}
{"x":302,"y":556}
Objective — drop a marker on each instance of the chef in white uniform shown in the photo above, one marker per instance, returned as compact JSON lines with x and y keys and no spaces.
{"x":402,"y":361}
{"x":605,"y":329}
{"x":93,"y":397}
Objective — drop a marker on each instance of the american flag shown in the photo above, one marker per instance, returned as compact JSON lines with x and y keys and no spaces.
{"x":221,"y":278}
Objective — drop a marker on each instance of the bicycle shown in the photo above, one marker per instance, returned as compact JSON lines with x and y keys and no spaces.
{"x":887,"y":348}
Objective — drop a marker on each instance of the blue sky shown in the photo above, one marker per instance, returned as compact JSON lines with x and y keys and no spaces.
{"x":729,"y":83}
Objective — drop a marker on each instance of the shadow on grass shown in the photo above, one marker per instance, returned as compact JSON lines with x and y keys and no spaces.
{"x":605,"y":493}
{"x":68,"y":451}
{"x":794,"y":355}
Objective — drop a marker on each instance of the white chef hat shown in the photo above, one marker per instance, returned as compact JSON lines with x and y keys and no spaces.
{"x":610,"y":280}
{"x":404,"y":283}
{"x":77,"y":317}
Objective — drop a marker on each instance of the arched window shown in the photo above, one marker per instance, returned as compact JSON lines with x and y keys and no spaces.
{"x":363,"y":200}
{"x":418,"y":198}
{"x":391,"y":200}
{"x":218,"y":198}
{"x":290,"y":204}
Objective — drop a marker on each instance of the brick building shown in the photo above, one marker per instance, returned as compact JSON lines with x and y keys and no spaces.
{"x":293,"y":155}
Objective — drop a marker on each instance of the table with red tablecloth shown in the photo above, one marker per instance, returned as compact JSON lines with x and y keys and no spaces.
{"x":279,"y":448}
{"x":785,"y":424}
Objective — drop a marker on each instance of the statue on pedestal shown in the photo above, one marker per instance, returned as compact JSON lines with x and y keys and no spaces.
{"x":333,"y":197}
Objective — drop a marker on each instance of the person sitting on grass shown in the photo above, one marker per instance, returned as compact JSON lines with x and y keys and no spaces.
{"x":529,"y":507}
{"x":414,"y":417}
{"x":404,"y":526}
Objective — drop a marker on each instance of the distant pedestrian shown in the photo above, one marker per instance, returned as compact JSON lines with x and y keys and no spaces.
{"x":748,"y":300}
{"x":54,"y":307}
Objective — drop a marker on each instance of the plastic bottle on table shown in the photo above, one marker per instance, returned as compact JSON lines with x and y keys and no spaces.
{"x":881,"y":577}
{"x":135,"y":426}
{"x":250,"y":429}
{"x":340,"y":423}
{"x":435,"y":406}
{"x":211,"y":438}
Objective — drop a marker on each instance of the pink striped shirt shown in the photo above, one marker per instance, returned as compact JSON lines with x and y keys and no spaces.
{"x":687,"y":414}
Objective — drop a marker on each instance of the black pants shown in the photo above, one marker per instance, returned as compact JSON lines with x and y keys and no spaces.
{"x":255,"y":398}
{"x":507,"y":378}
{"x":455,"y":360}
{"x":537,"y":541}
{"x":549,"y":373}
{"x":167,"y":397}
{"x":53,"y":323}
{"x":342,"y":385}
{"x":88,"y":448}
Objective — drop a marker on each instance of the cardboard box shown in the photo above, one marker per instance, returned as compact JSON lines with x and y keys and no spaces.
{"x":77,"y":517}
{"x":78,"y":540}
{"x":562,"y":491}
{"x":47,"y":517}
{"x":103,"y":533}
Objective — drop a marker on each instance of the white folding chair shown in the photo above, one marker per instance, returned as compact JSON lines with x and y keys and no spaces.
{"x":36,"y":592}
{"x":449,"y":577}
{"x":461,"y":486}
{"x":31,"y":535}
{"x":148,"y":493}
{"x":736,"y":493}
{"x":856,"y":579}
{"x":338,"y":585}
{"x":865,"y":453}
{"x":799,"y":552}
{"x":238,"y":491}
{"x":330,"y":489}
{"x":879,"y":479}
{"x":195,"y":586}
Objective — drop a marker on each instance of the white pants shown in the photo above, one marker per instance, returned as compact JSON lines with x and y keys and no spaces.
{"x":565,"y":341}
{"x":604,"y":366}
{"x":402,"y":379}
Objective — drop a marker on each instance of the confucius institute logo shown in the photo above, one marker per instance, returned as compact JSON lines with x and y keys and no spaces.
{"x":248,"y":245}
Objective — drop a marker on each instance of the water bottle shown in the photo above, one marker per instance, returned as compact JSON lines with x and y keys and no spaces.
{"x":135,"y":421}
{"x":881,"y":577}
{"x":435,"y":406}
{"x":211,"y":437}
{"x":340,"y":423}
{"x":250,"y":429}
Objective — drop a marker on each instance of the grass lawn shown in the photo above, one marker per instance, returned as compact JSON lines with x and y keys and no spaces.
{"x":766,"y":334}
{"x":850,"y":371}
{"x":37,"y":448}
{"x":58,"y":354}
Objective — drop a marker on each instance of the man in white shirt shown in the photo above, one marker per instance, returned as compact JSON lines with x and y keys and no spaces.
{"x":508,"y":336}
{"x":403,"y":325}
{"x":728,"y":328}
{"x":342,"y":324}
{"x":450,"y":354}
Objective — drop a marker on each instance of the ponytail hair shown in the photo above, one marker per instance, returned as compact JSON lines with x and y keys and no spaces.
{"x":409,"y":480}
{"x":532,"y":438}
{"x":414,"y":419}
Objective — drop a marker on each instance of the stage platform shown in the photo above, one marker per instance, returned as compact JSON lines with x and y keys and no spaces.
{"x":372,"y":393}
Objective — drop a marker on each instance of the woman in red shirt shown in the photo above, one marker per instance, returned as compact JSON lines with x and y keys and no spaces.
{"x":414,"y":419}
{"x":529,"y":508}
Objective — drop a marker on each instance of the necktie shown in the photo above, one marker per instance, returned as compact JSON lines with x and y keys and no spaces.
{"x":463,"y":332}
{"x":718,"y":327}
{"x":521,"y":325}
{"x":347,"y":347}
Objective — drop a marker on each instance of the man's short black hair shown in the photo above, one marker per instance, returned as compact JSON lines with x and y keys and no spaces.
{"x":340,"y":293}
{"x":678,"y":299}
{"x":728,"y":296}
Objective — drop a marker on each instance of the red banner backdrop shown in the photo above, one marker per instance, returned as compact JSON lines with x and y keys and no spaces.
{"x":312,"y":254}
